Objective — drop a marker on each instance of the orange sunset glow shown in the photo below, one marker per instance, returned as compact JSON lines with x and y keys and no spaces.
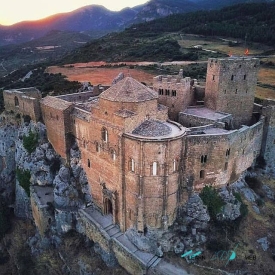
{"x":14,"y":11}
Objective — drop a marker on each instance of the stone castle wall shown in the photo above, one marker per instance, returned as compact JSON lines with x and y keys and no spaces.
{"x":268,"y":147}
{"x":230,"y":87}
{"x":151,"y":198}
{"x":174,"y":92}
{"x":101,"y":161}
{"x":189,"y":120}
{"x":219,"y":159}
{"x":42,"y":217}
{"x":58,"y":123}
{"x":23,"y":103}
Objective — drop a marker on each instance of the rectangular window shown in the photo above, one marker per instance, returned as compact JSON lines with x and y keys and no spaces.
{"x":202,"y":174}
{"x":203,"y":158}
{"x":174,"y":93}
{"x":167,"y":92}
{"x":132,"y":165}
{"x":174,"y":165}
{"x":154,"y":168}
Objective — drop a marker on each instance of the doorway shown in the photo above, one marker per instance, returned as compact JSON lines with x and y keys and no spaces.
{"x":108,"y":207}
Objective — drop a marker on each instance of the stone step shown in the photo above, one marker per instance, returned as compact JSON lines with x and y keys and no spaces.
{"x":118,"y":234}
{"x":109,"y":227}
{"x":153,"y":262}
{"x":112,"y":231}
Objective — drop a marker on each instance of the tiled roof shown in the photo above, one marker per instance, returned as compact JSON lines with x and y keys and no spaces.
{"x":129,"y":90}
{"x":56,"y":103}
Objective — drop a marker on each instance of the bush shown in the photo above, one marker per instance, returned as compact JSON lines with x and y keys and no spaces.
{"x":30,"y":142}
{"x":23,"y":177}
{"x":212,"y":200}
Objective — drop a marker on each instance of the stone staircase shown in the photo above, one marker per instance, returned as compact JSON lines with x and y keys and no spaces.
{"x":112,"y":232}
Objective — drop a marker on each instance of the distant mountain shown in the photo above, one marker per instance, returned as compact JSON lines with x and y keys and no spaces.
{"x":150,"y":41}
{"x":96,"y":20}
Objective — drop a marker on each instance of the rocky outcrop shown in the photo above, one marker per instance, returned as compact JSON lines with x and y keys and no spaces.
{"x":8,"y":137}
{"x":232,"y":208}
{"x":41,"y":164}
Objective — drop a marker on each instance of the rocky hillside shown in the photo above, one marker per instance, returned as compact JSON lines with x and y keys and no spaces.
{"x":239,"y":216}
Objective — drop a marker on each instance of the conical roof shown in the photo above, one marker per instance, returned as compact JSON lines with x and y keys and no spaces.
{"x":129,"y":90}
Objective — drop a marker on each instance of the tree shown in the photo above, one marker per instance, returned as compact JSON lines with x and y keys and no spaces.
{"x":212,"y":200}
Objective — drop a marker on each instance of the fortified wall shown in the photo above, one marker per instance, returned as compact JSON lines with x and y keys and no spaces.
{"x":217,"y":157}
{"x":24,"y":101}
{"x":174,"y":92}
{"x":268,"y":142}
{"x":230,"y":87}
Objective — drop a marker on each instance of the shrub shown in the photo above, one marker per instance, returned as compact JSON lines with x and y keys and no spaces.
{"x":30,"y":142}
{"x":23,"y":177}
{"x":212,"y":200}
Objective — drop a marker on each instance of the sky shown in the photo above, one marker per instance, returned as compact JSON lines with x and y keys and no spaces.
{"x":13,"y":11}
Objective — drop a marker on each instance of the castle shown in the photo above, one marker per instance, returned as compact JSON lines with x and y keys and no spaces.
{"x":145,"y":150}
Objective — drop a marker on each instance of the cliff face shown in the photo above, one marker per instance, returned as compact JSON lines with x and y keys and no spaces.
{"x":8,"y":137}
{"x":55,"y":193}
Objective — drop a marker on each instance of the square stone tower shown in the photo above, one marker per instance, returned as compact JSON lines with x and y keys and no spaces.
{"x":230,"y":87}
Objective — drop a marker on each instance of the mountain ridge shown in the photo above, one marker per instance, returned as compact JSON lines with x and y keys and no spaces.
{"x":94,"y":18}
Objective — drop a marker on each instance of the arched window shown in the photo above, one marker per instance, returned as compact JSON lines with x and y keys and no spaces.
{"x":104,"y":134}
{"x":113,"y":153}
{"x":155,"y":168}
{"x":89,"y":163}
{"x":16,"y":102}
